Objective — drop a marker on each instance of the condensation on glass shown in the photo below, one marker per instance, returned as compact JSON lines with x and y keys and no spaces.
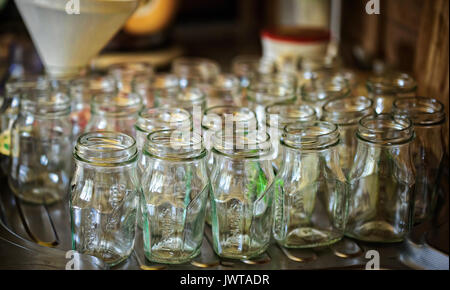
{"x":346,"y":113}
{"x":175,"y":188}
{"x":381,"y":180}
{"x":241,"y":202}
{"x":103,"y":198}
{"x":310,"y":189}
{"x":427,"y":150}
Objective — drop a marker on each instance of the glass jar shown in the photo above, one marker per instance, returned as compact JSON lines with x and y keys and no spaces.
{"x":117,"y":111}
{"x":427,"y":150}
{"x":310,"y":189}
{"x":241,"y":202}
{"x":81,"y":92}
{"x":346,"y":113}
{"x":9,"y":111}
{"x":175,"y":187}
{"x":384,"y":89}
{"x":157,"y":90}
{"x":245,"y":67}
{"x":279,"y":116}
{"x":381,"y":180}
{"x":125,"y":73}
{"x":195,"y":71}
{"x":41,"y":147}
{"x":103,"y":198}
{"x":191,"y":99}
{"x":268,"y":90}
{"x":317,"y":91}
{"x":224,"y":91}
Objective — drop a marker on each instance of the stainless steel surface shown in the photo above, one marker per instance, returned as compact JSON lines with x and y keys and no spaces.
{"x":38,"y":237}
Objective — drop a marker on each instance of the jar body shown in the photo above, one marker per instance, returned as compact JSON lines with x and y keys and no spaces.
{"x":41,"y":157}
{"x":347,"y":146}
{"x":103,"y":199}
{"x":310,"y":193}
{"x":427,"y":152}
{"x":381,"y":185}
{"x":241,"y":206}
{"x":173,"y":206}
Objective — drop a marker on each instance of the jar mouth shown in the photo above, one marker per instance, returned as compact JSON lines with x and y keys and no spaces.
{"x":156,"y":119}
{"x":225,"y":83}
{"x":347,"y":111}
{"x":385,"y":129}
{"x":314,"y":135}
{"x":45,"y":103}
{"x":242,"y":143}
{"x":106,"y":148}
{"x":286,"y":113}
{"x":270,"y":93}
{"x":200,"y":69}
{"x":191,"y":95}
{"x":176,"y":145}
{"x":322,"y":89}
{"x":156,"y":82}
{"x":116,"y":104}
{"x":31,"y":82}
{"x":216,"y":118}
{"x":422,"y":111}
{"x":283,"y":79}
{"x":130,"y":69}
{"x":391,"y":83}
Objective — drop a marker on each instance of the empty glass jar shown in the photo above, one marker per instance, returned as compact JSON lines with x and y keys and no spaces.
{"x":310,"y":189}
{"x":116,"y":111}
{"x":346,"y":113}
{"x":175,"y":188}
{"x":103,"y":200}
{"x":384,"y":89}
{"x":157,"y":90}
{"x":427,"y":150}
{"x":241,"y":202}
{"x":196,"y":71}
{"x":41,"y":147}
{"x":125,"y":73}
{"x":224,"y":91}
{"x":280,"y":115}
{"x":381,"y":180}
{"x":317,"y":91}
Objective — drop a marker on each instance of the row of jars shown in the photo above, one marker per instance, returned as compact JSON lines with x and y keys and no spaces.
{"x":319,"y":189}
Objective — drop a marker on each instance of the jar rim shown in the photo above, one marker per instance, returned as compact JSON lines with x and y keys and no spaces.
{"x":421,"y":110}
{"x":287,"y":113}
{"x":160,"y":118}
{"x":239,"y":115}
{"x":106,"y":148}
{"x":118,"y":104}
{"x":347,"y":111}
{"x":391,"y":83}
{"x":324,"y":89}
{"x":385,"y":129}
{"x":242,"y":144}
{"x":45,"y":103}
{"x":313,"y":135}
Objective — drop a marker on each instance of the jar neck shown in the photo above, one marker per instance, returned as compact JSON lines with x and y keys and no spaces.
{"x":155,"y":119}
{"x":45,"y":103}
{"x":106,"y":149}
{"x":421,"y":111}
{"x":116,"y":105}
{"x":347,"y":111}
{"x":175,"y":145}
{"x":242,"y":144}
{"x":313,"y":135}
{"x":282,"y":114}
{"x":385,"y":129}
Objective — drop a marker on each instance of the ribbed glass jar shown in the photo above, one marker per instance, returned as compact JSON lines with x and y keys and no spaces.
{"x":427,"y":150}
{"x":41,"y":145}
{"x":310,"y":189}
{"x":103,"y":198}
{"x":175,"y":188}
{"x":346,"y":113}
{"x":241,"y":202}
{"x":381,"y":180}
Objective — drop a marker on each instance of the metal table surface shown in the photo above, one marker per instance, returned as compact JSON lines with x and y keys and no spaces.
{"x":38,"y":237}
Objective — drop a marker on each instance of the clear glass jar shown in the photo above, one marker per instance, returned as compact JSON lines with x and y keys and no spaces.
{"x":346,"y":113}
{"x":117,"y":111}
{"x":310,"y":189}
{"x":195,"y":71}
{"x":157,"y":90}
{"x":9,"y":111}
{"x":41,"y":147}
{"x":279,"y":116}
{"x":241,"y":202}
{"x":427,"y":150}
{"x":104,"y":194}
{"x":268,"y":90}
{"x":384,"y":89}
{"x":81,"y":92}
{"x":245,"y":67}
{"x":317,"y":91}
{"x":381,"y":180}
{"x":125,"y":73}
{"x":175,"y":187}
{"x":224,"y":91}
{"x":191,"y":99}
